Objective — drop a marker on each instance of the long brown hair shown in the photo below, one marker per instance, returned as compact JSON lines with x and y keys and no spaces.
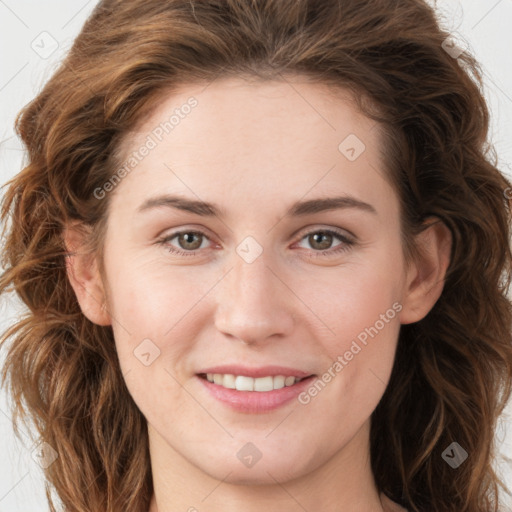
{"x":453,"y":369}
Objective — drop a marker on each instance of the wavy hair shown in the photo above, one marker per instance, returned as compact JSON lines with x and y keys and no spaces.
{"x":453,"y":369}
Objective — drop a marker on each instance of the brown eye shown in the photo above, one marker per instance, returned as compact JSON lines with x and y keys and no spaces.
{"x":320,"y":240}
{"x":189,"y":240}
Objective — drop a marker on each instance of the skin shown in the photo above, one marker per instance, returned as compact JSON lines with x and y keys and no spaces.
{"x":254,"y":149}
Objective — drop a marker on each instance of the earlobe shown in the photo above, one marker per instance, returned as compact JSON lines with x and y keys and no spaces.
{"x":426,"y":275}
{"x":83,"y":274}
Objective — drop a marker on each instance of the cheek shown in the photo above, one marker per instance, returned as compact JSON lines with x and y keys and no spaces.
{"x":150,"y":300}
{"x":154,"y":329}
{"x":359,"y":359}
{"x":362,"y":309}
{"x":360,"y":303}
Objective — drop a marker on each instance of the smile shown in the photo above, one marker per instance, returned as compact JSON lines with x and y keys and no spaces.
{"x":244,"y":383}
{"x":258,"y":394}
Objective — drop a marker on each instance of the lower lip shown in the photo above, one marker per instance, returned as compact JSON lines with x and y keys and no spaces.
{"x":256,"y":401}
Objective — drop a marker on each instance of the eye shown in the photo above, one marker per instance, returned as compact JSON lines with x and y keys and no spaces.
{"x":322,"y":241}
{"x":191,"y":241}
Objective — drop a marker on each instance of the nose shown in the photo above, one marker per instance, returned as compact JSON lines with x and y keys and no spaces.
{"x":254,"y":303}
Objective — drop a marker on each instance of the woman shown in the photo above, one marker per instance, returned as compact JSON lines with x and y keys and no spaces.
{"x":265,"y":252}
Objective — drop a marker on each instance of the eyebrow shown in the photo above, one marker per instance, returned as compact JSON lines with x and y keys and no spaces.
{"x":298,"y":209}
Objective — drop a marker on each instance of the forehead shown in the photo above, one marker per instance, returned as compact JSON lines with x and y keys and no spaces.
{"x":237,"y":114}
{"x":249,"y":136}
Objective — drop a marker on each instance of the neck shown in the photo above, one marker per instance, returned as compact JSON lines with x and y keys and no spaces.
{"x":345,"y":482}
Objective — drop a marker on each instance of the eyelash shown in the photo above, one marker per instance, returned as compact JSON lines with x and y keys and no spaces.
{"x":346,"y":244}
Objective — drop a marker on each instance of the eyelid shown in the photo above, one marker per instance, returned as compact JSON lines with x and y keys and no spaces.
{"x":186,"y":229}
{"x":313,"y":228}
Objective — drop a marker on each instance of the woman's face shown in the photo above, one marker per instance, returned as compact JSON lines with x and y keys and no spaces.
{"x":263,"y":284}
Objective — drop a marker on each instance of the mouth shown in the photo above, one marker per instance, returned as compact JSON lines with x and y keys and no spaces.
{"x":267,"y":389}
{"x":245,"y":383}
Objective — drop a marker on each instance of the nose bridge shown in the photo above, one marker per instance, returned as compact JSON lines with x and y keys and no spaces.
{"x":253,"y":303}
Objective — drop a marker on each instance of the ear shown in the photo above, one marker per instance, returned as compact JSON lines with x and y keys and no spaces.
{"x":83,"y":274}
{"x":426,"y":274}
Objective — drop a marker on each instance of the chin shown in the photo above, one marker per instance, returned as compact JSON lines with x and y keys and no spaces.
{"x":266,"y":471}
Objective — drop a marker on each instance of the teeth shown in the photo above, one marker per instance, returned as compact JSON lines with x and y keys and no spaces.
{"x":243,"y":383}
{"x":279,"y":381}
{"x":228,"y":381}
{"x":288,"y":381}
{"x":264,"y":384}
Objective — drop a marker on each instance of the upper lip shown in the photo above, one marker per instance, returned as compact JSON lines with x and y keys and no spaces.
{"x":262,"y":371}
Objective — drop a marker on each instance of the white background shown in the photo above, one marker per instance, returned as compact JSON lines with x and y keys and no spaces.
{"x":29,"y":27}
